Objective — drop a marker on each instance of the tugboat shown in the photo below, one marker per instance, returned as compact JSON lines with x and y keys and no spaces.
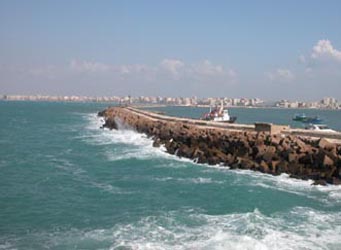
{"x":219,"y":115}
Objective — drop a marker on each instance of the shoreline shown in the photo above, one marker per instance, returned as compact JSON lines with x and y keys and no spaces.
{"x":167,"y":105}
{"x":233,"y":107}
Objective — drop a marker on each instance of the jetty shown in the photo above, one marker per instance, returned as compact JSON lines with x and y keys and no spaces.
{"x":268,"y":148}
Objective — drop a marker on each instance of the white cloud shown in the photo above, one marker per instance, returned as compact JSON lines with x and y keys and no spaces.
{"x":325,"y":50}
{"x":132,"y":69}
{"x":207,"y":68}
{"x":173,"y":66}
{"x":203,"y":70}
{"x":88,"y":66}
{"x":100,"y":68}
{"x":124,"y":69}
{"x":280,"y":75}
{"x":166,"y":70}
{"x":285,"y":73}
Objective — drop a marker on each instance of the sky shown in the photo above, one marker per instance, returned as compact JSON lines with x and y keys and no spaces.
{"x":266,"y":49}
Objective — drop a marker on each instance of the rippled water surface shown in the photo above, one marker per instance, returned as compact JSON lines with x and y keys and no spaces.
{"x":66,"y":184}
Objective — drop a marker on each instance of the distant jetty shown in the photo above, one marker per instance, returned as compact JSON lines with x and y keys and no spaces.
{"x":268,"y":148}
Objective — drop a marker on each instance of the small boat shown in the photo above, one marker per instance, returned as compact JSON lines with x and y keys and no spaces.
{"x":219,"y":115}
{"x":299,"y":117}
{"x":320,"y":128}
{"x":307,"y":119}
{"x":314,"y":120}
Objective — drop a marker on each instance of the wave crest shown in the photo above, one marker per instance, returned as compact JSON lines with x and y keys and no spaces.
{"x":301,"y":228}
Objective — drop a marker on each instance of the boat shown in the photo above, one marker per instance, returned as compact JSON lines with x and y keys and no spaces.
{"x":320,"y":128}
{"x":299,"y":117}
{"x":313,"y":120}
{"x":307,"y":119}
{"x":219,"y":115}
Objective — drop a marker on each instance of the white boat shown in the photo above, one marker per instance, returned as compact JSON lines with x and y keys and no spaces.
{"x":219,"y":115}
{"x":320,"y":127}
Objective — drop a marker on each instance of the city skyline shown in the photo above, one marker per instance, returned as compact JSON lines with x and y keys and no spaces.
{"x":289,"y":50}
{"x":325,"y":103}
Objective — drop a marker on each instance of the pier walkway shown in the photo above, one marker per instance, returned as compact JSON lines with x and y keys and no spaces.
{"x":334,"y":137}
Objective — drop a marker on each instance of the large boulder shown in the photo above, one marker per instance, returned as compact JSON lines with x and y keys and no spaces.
{"x":102,"y":113}
{"x":185,"y":151}
{"x":320,"y":182}
{"x":246,"y":163}
{"x":213,"y":160}
{"x":325,"y":144}
{"x":292,"y":157}
{"x":282,"y":167}
{"x":111,"y":123}
{"x":264,"y":167}
{"x":327,"y":161}
{"x":275,"y":140}
{"x":306,"y":159}
{"x":197,"y":153}
{"x":156,"y":142}
{"x":270,"y":154}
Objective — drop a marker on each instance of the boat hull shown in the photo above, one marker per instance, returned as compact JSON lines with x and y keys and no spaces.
{"x":231,"y":120}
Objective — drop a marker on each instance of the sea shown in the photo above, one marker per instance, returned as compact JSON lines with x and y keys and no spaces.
{"x":67,"y":184}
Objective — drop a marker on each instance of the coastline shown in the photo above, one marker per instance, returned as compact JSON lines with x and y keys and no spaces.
{"x":232,"y":107}
{"x":151,"y":105}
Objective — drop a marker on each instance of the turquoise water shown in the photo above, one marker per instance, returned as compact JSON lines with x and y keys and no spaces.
{"x":66,"y":184}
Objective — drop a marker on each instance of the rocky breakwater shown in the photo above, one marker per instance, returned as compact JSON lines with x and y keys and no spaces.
{"x":301,"y":158}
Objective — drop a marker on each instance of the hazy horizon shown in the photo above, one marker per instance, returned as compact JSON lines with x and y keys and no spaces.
{"x":284,"y":50}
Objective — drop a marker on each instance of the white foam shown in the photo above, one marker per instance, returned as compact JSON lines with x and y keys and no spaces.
{"x":140,"y":147}
{"x":329,"y":194}
{"x":234,"y":231}
{"x":106,"y":187}
{"x":141,"y":151}
{"x":300,"y":228}
{"x":94,"y":121}
{"x":7,"y":246}
{"x":201,"y":180}
{"x":175,"y":163}
{"x":198,"y":180}
{"x":105,"y":136}
{"x":335,"y":195}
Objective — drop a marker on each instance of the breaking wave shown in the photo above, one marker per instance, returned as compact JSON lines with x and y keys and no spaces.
{"x":300,"y":228}
{"x":133,"y":145}
{"x":139,"y":146}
